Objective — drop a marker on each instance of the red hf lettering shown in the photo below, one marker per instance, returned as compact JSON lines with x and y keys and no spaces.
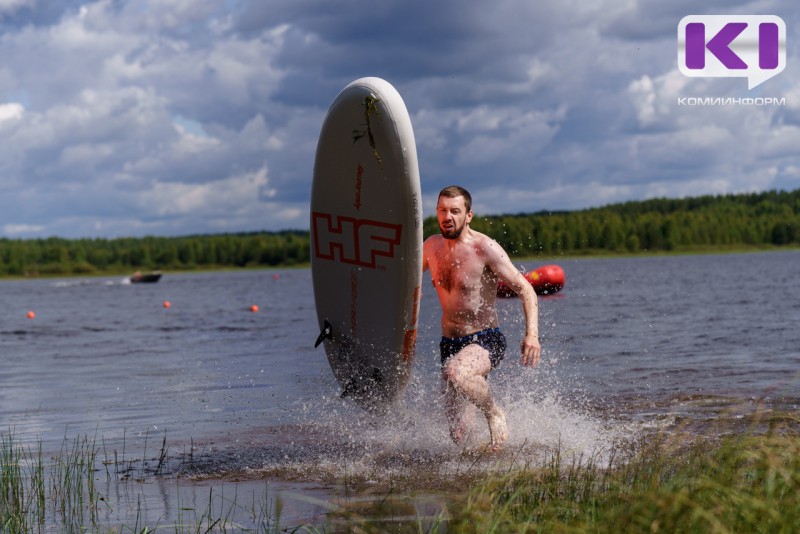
{"x":354,"y":241}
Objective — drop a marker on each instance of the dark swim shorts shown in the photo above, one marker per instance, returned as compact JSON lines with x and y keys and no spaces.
{"x":491,"y":339}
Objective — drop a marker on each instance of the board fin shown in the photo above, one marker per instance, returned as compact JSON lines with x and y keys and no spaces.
{"x":327,"y":333}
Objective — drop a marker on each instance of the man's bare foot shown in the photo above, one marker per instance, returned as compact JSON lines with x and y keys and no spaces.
{"x":457,"y":434}
{"x":463,"y":425}
{"x":498,"y":428}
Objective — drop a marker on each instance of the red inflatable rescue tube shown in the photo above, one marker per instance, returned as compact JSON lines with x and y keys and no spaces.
{"x":546,"y":280}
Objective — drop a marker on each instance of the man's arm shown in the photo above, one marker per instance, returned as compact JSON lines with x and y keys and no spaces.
{"x":501,"y":264}
{"x":531,"y":349}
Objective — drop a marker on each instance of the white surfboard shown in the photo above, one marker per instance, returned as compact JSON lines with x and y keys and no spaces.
{"x":366,"y":241}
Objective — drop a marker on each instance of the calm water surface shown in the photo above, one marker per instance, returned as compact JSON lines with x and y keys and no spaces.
{"x":629,"y":344}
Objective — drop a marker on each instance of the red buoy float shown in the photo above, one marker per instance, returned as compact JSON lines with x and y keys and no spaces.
{"x":546,"y":280}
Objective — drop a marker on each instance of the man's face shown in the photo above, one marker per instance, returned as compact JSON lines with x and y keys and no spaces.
{"x":453,"y":216}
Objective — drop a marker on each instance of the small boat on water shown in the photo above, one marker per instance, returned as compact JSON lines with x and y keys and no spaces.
{"x":141,"y":278}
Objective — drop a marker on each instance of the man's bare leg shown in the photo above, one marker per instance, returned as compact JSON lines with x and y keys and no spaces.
{"x":465,"y":374}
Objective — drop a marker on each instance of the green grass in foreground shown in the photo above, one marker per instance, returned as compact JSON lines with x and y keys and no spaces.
{"x":747,"y":483}
{"x":671,"y":482}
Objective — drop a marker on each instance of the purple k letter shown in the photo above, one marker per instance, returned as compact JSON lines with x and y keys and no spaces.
{"x":719,"y":45}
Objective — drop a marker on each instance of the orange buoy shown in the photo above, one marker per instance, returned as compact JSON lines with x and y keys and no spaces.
{"x":167,"y":304}
{"x":546,"y":280}
{"x":31,"y":315}
{"x":254,"y":308}
{"x":276,"y":276}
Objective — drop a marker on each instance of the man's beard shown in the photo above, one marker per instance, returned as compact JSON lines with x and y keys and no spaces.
{"x":452,"y":233}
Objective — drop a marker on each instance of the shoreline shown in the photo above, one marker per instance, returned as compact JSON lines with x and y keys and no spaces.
{"x":639,"y":482}
{"x":549,"y":258}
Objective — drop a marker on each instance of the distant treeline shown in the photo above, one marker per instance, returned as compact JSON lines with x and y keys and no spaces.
{"x":700,"y":223}
{"x":55,"y":256}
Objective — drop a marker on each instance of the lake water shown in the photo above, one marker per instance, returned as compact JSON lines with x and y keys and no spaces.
{"x":629,"y":344}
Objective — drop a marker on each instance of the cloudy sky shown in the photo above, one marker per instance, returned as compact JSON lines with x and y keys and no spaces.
{"x":171,"y":117}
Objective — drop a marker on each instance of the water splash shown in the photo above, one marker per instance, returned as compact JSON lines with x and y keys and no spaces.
{"x":329,"y":440}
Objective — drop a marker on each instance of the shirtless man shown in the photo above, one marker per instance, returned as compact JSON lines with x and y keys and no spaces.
{"x":465,"y":266}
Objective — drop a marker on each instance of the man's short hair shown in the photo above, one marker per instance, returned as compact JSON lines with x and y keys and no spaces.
{"x":454,"y":191}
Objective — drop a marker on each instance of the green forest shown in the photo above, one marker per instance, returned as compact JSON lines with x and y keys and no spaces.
{"x":698,"y":224}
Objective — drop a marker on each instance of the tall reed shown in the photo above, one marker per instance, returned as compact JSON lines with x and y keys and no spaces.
{"x":61,"y":494}
{"x":22,"y":486}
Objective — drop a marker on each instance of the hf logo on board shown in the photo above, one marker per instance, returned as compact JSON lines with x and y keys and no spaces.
{"x":354,"y":241}
{"x":732,"y":46}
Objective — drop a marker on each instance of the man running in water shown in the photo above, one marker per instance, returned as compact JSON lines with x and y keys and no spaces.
{"x":465,"y":267}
